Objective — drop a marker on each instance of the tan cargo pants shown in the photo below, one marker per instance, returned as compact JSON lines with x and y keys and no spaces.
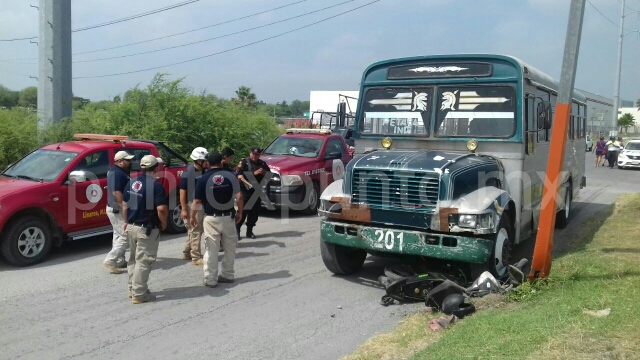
{"x":143,"y":251}
{"x":217,"y":230}
{"x":194,"y":236}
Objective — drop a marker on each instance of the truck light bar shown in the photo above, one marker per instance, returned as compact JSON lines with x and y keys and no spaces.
{"x":309,"y":131}
{"x":101,"y":137}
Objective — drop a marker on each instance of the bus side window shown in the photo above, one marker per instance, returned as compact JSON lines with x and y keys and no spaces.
{"x":543,"y":135}
{"x":530,"y":124}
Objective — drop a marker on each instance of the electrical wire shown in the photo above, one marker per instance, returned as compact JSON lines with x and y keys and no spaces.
{"x":627,"y":6}
{"x":112,"y":22}
{"x":14,"y":73}
{"x":231,"y":49}
{"x":175,"y":34}
{"x":216,"y":37}
{"x":609,"y":20}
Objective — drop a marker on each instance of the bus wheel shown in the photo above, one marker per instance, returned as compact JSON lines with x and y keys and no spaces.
{"x":500,"y":258}
{"x":341,"y":260}
{"x":562,"y":217}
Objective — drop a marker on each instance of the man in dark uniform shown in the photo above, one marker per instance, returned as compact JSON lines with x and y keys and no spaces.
{"x":227,"y":157}
{"x":250,"y":169}
{"x":215,"y":192}
{"x":188,"y":178}
{"x":145,"y":212}
{"x":117,"y":179}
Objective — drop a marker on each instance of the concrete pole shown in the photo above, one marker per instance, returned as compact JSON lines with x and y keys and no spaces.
{"x":616,"y":90}
{"x":54,"y":61}
{"x":542,"y":253}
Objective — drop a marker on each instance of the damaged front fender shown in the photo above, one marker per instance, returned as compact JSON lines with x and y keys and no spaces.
{"x":486,"y":204}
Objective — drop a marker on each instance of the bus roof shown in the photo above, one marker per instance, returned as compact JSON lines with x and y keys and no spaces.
{"x":535,"y":76}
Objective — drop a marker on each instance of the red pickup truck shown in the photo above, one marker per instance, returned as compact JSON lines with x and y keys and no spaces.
{"x":58,"y":193}
{"x":303,"y":162}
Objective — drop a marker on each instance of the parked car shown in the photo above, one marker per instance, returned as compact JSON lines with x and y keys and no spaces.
{"x":304,"y":162}
{"x":58,"y":193}
{"x":589,"y":143}
{"x":629,"y":157}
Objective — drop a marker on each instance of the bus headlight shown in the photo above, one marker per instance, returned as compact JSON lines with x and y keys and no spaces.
{"x":468,"y":221}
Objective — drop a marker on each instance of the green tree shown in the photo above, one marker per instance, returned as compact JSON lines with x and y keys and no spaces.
{"x":245,"y":97}
{"x":8,"y":98}
{"x":28,"y":97}
{"x":298,"y":107}
{"x":117,"y":99}
{"x":625,"y":121}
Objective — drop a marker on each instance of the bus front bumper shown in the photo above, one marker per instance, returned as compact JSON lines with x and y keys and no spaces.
{"x":405,"y":242}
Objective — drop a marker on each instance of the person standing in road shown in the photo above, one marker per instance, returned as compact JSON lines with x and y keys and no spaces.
{"x":117,"y":179}
{"x":612,"y":151}
{"x":191,"y":249}
{"x":252,"y":171}
{"x":145,"y":211}
{"x":215,"y":193}
{"x":600,"y":150}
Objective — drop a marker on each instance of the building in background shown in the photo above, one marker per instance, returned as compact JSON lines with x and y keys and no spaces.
{"x":599,"y":113}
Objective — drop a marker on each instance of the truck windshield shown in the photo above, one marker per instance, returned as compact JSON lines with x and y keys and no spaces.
{"x":303,"y":147}
{"x":396,"y":111}
{"x":43,"y":165}
{"x":476,"y":111}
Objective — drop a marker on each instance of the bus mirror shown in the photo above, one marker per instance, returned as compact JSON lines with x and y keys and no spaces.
{"x":544,"y":115}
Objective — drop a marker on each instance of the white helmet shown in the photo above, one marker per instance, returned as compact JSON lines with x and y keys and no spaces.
{"x":199,"y":153}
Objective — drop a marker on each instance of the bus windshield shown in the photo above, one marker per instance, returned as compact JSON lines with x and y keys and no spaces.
{"x":476,"y":111}
{"x":396,"y":111}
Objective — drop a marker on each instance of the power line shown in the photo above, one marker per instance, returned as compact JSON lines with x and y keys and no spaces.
{"x":14,"y":73}
{"x":198,"y":29}
{"x":176,"y":34}
{"x":604,"y":16}
{"x":627,"y":6}
{"x":231,"y":49}
{"x":216,"y":37}
{"x":151,"y":12}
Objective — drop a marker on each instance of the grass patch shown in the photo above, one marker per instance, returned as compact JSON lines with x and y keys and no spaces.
{"x":546,"y":319}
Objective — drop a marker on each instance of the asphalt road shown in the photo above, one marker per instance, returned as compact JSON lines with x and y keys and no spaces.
{"x":283,"y":305}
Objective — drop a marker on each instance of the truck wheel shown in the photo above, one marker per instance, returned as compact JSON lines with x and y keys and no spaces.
{"x":175,"y":223}
{"x":562,"y":217}
{"x":341,"y":260}
{"x":500,"y":258}
{"x":26,"y":241}
{"x":312,"y":200}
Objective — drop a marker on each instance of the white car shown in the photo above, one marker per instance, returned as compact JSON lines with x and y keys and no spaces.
{"x":589,"y":143}
{"x":629,"y":157}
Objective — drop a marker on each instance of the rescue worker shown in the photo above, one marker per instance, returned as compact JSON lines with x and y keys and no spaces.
{"x":252,"y":171}
{"x":215,"y":193}
{"x":145,"y":211}
{"x":191,"y":249}
{"x":117,"y":179}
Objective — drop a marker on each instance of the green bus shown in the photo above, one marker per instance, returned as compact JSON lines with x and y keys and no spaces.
{"x":451,"y":153}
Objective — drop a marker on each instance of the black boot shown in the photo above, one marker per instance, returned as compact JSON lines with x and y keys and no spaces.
{"x":238,"y":231}
{"x":250,"y":234}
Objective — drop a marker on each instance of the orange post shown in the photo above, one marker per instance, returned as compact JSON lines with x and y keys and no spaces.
{"x":541,"y":263}
{"x":542,"y":256}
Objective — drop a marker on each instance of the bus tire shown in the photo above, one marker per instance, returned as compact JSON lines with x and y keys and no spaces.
{"x":341,"y":260}
{"x":501,"y":252}
{"x":562,"y":217}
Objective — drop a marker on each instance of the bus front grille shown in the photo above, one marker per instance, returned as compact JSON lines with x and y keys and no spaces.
{"x":396,"y":189}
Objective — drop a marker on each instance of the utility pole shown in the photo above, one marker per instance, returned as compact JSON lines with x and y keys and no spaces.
{"x":616,"y":90}
{"x":542,"y":253}
{"x":54,"y":63}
